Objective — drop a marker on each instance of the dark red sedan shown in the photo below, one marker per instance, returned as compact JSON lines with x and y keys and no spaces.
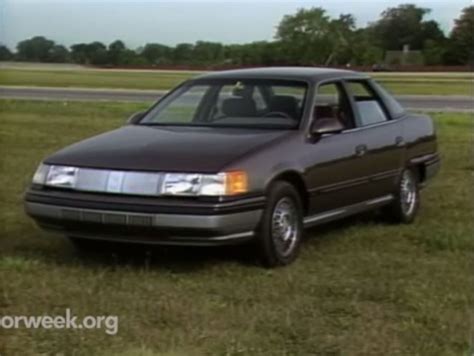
{"x":233,"y":156}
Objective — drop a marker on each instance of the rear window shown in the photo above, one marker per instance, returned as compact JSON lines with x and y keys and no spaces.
{"x":393,"y":106}
{"x":368,"y":104}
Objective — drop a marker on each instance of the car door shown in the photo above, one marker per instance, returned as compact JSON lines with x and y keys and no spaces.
{"x":337,"y":168}
{"x":380,"y":140}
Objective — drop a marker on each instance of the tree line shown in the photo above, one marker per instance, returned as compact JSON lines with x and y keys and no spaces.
{"x":308,"y":37}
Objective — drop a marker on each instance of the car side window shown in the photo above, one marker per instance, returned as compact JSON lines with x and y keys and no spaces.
{"x":368,"y":104}
{"x":332,"y":103}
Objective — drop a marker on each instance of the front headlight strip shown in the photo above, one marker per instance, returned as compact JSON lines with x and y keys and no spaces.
{"x":141,"y":183}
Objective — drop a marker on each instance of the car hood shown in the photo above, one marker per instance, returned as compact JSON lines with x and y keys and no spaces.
{"x":158,"y":148}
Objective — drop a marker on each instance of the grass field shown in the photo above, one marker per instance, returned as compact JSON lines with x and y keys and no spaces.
{"x":93,"y":79}
{"x":432,"y":84}
{"x":360,"y":287}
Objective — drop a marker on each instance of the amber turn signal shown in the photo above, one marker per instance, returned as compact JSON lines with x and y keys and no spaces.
{"x":236,"y":182}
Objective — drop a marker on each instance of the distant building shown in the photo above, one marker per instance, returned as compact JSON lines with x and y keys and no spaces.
{"x":404,"y":57}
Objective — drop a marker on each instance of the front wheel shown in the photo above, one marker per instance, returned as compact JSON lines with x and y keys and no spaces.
{"x":406,"y":204}
{"x":281,"y":228}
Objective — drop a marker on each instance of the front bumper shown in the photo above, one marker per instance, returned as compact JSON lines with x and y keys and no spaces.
{"x":432,"y":167}
{"x":431,"y":164}
{"x":211,"y":224}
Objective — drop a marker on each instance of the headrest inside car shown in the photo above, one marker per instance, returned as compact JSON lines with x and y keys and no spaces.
{"x":285,"y":103}
{"x":239,"y":107}
{"x":323,"y":112}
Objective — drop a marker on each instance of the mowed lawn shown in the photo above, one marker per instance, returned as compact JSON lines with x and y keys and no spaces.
{"x":360,"y":287}
{"x":400,"y":84}
{"x":94,"y":78}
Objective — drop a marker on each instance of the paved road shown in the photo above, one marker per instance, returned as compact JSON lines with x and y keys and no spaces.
{"x":412,"y":102}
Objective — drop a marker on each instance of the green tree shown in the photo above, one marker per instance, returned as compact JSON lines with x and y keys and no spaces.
{"x":270,"y":53}
{"x":78,"y":53}
{"x":97,"y":53}
{"x":116,"y":52}
{"x":342,"y":40}
{"x":183,"y":53}
{"x":430,"y":31}
{"x":233,"y":54}
{"x":208,"y":52}
{"x":156,"y":53}
{"x":305,"y":36}
{"x":89,"y":53}
{"x":131,"y":57}
{"x":59,"y":54}
{"x":36,"y":49}
{"x":434,"y":52}
{"x":5,"y":53}
{"x":311,"y":37}
{"x":404,"y":25}
{"x":461,"y":48}
{"x":363,"y":50}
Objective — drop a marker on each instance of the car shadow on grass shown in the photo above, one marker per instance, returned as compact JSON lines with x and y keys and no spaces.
{"x":185,"y":259}
{"x":319,"y":234}
{"x":176,"y":258}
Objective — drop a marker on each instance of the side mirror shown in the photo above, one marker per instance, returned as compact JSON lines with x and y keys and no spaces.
{"x":135,"y":118}
{"x":326,"y":126}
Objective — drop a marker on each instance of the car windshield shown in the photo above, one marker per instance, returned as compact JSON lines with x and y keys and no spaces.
{"x":272,"y":104}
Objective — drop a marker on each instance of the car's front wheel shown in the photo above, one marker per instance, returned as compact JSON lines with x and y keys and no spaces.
{"x":405,"y":206}
{"x":281,"y":228}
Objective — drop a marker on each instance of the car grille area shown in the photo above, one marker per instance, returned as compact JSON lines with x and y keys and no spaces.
{"x":107,"y":218}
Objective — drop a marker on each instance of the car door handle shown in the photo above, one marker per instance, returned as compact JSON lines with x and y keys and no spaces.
{"x":360,"y":150}
{"x":399,"y":141}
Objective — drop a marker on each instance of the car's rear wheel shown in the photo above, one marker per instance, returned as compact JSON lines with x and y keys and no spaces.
{"x":281,"y":228}
{"x":405,"y":206}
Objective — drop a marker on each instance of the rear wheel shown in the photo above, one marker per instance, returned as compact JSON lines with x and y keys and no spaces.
{"x":406,"y":204}
{"x":281,"y":228}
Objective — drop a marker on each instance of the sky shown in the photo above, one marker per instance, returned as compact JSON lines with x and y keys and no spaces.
{"x":171,"y":22}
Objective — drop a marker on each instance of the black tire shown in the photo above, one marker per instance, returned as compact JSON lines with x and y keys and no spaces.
{"x":404,"y":208}
{"x":278,"y":230}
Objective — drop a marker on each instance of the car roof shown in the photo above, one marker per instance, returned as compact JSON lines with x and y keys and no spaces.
{"x":308,"y":74}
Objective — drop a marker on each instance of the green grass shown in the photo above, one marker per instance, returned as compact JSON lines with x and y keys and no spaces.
{"x":93,"y":79}
{"x":398,"y":84}
{"x":360,"y":287}
{"x":421,"y":87}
